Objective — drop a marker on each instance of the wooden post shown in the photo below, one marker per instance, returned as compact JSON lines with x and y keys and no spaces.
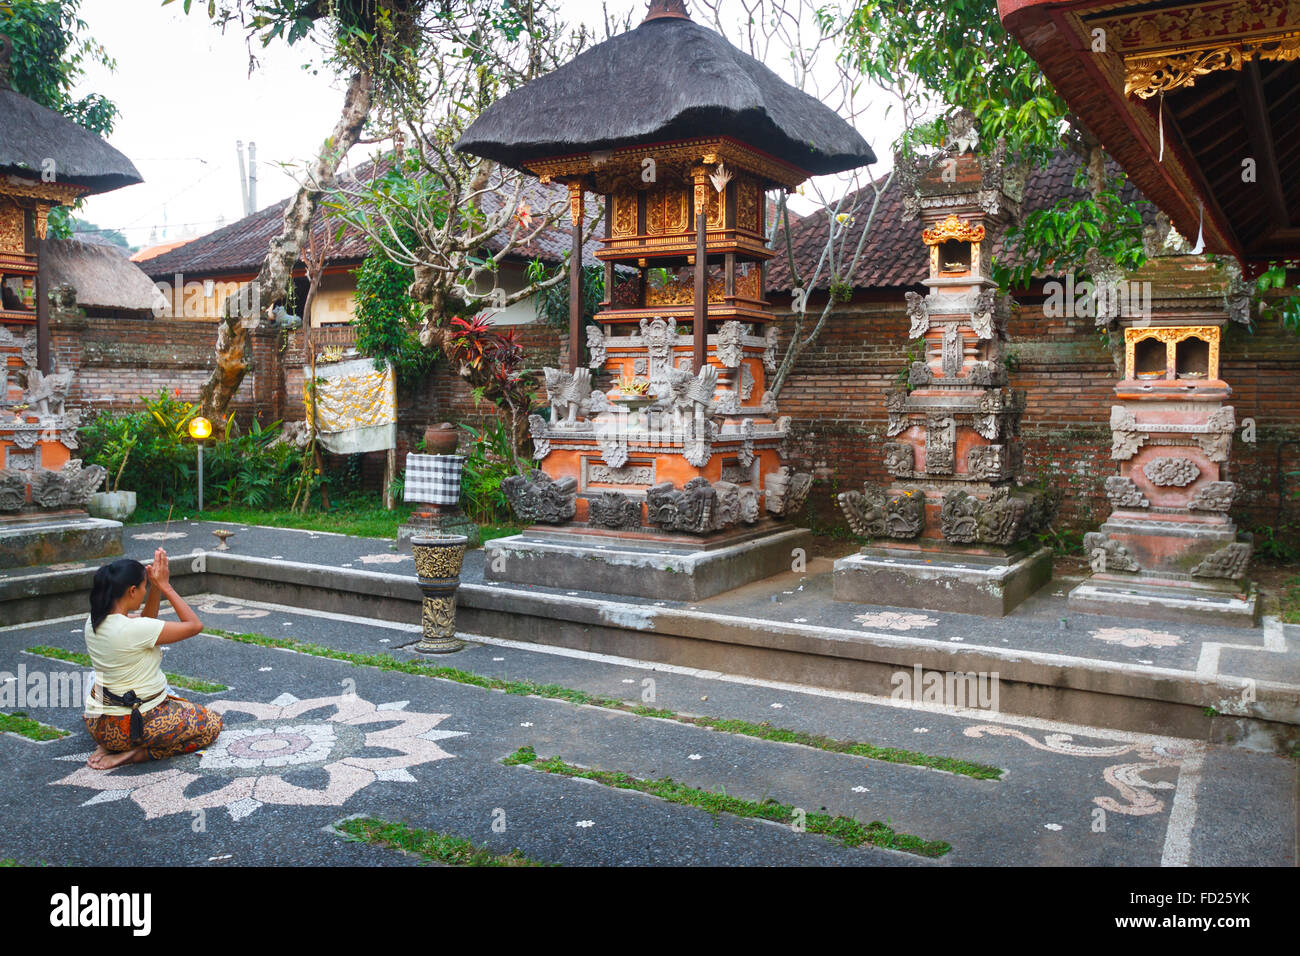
{"x":575,"y":277}
{"x":390,"y":468}
{"x":700,"y":337}
{"x":42,"y":308}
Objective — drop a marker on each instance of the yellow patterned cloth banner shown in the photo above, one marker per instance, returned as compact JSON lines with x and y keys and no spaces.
{"x":356,"y":406}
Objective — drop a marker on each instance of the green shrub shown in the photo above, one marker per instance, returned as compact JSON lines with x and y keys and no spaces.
{"x":150,"y":452}
{"x":489,"y":461}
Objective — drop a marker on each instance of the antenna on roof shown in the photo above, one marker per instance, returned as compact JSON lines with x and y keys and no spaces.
{"x":247,"y":176}
{"x":243,"y":177}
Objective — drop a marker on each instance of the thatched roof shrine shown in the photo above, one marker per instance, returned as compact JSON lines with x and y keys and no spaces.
{"x":30,"y":134}
{"x":668,"y":79}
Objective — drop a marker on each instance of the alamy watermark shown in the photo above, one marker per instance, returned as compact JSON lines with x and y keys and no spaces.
{"x":968,"y":690}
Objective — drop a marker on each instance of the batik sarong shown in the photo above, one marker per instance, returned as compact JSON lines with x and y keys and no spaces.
{"x":176,"y":726}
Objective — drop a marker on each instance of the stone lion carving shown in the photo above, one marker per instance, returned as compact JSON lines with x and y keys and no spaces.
{"x":871,"y":513}
{"x":692,"y":395}
{"x":569,"y":394}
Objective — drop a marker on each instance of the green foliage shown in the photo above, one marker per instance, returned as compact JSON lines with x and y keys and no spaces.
{"x":150,"y":452}
{"x":50,"y":54}
{"x":1286,"y":309}
{"x":957,"y":55}
{"x":1057,"y":240}
{"x":553,"y":303}
{"x":1276,"y":545}
{"x":433,"y":847}
{"x":387,"y":319}
{"x":960,"y":56}
{"x":489,"y":461}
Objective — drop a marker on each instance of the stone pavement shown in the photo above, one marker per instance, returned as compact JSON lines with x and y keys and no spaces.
{"x":310,"y":741}
{"x":1042,"y":625}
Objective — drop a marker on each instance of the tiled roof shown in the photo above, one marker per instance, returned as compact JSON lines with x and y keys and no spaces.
{"x":894,"y":255}
{"x":239,"y":248}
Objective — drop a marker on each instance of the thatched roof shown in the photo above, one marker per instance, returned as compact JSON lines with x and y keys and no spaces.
{"x":667,"y":79}
{"x":30,"y":134}
{"x":102,"y":275}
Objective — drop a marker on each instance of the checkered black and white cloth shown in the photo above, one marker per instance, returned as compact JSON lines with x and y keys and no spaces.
{"x":433,"y":479}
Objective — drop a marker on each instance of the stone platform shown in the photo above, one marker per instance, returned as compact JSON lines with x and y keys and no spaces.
{"x":646,"y":565}
{"x":990,"y":585}
{"x":51,"y":539}
{"x":1199,"y":679}
{"x":1190,"y":601}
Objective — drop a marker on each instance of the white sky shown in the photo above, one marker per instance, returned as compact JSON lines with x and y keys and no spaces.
{"x":185,"y":95}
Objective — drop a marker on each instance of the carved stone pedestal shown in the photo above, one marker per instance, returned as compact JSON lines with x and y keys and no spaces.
{"x":438,"y":560}
{"x":954,"y":529}
{"x":988,"y":584}
{"x":1169,"y":549}
{"x":670,"y":567}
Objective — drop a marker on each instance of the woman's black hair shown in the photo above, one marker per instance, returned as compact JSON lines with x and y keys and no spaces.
{"x":111,"y":582}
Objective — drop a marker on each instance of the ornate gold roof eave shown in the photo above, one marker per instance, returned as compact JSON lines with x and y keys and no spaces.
{"x":613,"y":163}
{"x":952,"y":227}
{"x":1145,"y":74}
{"x":61,"y":194}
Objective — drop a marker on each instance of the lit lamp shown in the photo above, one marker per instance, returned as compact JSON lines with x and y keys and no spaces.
{"x":200,"y":428}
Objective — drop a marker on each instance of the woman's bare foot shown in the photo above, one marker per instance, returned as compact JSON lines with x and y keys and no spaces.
{"x":107,"y":761}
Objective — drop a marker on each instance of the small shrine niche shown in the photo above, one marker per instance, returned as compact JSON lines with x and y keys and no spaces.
{"x":1187,"y":355}
{"x":954,"y":248}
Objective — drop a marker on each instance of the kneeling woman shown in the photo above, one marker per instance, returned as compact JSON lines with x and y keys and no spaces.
{"x":130,"y":714}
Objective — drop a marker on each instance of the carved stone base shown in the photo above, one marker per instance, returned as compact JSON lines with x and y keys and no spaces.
{"x":444,"y":520}
{"x":58,"y":538}
{"x":942,"y":581}
{"x":650,"y":566}
{"x":1195,"y":602}
{"x":1164,"y":548}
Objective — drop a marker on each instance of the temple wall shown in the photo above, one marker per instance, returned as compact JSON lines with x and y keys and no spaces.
{"x":837,"y":391}
{"x":835,"y":395}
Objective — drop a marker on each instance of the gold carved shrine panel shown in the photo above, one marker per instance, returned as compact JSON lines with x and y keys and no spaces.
{"x":747,"y":199}
{"x":667,"y":210}
{"x":13,"y":228}
{"x":1172,"y":337}
{"x":623,"y":221}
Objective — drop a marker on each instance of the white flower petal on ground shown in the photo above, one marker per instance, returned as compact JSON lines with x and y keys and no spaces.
{"x":896,"y":621}
{"x":1136,"y":637}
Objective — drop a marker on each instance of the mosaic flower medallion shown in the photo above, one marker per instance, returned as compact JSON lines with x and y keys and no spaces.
{"x":351,"y":741}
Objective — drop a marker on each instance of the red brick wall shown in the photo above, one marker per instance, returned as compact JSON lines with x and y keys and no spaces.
{"x":835,"y":395}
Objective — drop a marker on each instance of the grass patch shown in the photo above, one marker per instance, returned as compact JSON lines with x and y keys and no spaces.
{"x":178,"y":680}
{"x":366,"y":521}
{"x":19,"y":723}
{"x":348,"y":517}
{"x":429,"y":845}
{"x":523,"y":688}
{"x":1290,"y":612}
{"x":848,"y":831}
{"x":489,"y":531}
